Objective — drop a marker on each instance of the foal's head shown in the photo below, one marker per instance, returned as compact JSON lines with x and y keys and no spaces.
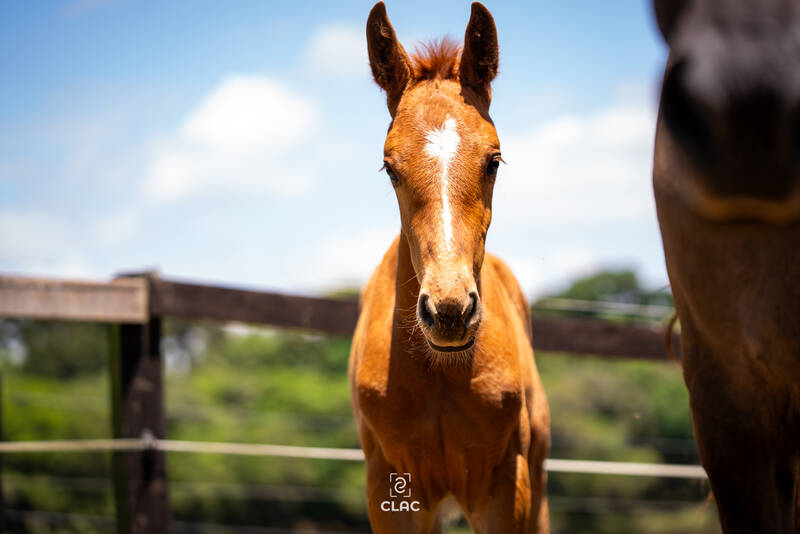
{"x":441,"y":154}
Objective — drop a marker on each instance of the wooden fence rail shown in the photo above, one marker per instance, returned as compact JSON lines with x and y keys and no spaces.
{"x":134,"y":306}
{"x":135,"y":299}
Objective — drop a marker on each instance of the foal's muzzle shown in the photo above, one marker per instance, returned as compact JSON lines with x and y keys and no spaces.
{"x":449,"y":323}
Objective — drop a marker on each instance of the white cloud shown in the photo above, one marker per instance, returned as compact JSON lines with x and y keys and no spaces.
{"x":242,"y":138}
{"x":541,"y":275}
{"x":348,"y":260}
{"x":593,"y":168}
{"x":35,"y":243}
{"x":338,"y":49}
{"x":32,"y":236}
{"x":73,"y":265}
{"x":118,"y":228}
{"x":576,"y":196}
{"x":247,"y":114}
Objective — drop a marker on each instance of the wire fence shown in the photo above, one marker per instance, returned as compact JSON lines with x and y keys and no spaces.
{"x":654,"y":312}
{"x":107,"y":523}
{"x":305,"y":493}
{"x":590,"y":504}
{"x":317,"y":422}
{"x":148,"y":442}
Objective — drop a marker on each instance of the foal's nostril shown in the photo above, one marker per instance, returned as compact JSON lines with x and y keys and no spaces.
{"x":449,"y":316}
{"x":473,"y":309}
{"x":424,"y":308}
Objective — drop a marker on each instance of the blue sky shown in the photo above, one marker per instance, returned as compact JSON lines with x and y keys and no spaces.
{"x":239,"y":142}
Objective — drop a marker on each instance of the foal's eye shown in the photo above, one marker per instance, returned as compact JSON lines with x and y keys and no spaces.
{"x":491,"y":167}
{"x":390,"y":172}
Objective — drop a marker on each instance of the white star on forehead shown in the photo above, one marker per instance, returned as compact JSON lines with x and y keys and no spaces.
{"x":443,"y":142}
{"x":442,"y":145}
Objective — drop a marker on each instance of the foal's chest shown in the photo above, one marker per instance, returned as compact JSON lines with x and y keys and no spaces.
{"x":442,"y":422}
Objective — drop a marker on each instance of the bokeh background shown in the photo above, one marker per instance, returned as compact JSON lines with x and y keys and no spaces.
{"x":239,"y":143}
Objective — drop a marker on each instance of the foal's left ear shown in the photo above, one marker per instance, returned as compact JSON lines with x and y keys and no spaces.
{"x":480,"y":56}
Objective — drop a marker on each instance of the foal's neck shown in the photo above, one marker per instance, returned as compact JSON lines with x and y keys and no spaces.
{"x":406,"y":285}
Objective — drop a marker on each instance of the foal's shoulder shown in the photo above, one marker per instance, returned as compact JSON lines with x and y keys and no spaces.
{"x":383,"y":277}
{"x":512,"y":287}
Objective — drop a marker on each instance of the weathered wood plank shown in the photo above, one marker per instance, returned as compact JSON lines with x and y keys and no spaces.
{"x":603,"y":338}
{"x":128,"y":300}
{"x":192,"y":301}
{"x":563,"y":334}
{"x":122,"y":300}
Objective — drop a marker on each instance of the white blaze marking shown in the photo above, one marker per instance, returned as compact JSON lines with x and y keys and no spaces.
{"x":442,"y":146}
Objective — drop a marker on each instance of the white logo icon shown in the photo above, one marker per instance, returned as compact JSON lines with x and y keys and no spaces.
{"x":400,"y":488}
{"x":399,"y":485}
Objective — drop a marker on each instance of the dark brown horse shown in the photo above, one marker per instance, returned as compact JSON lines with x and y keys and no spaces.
{"x":727,"y":185}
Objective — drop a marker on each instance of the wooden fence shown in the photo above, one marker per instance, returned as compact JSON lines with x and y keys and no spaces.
{"x":134,"y":305}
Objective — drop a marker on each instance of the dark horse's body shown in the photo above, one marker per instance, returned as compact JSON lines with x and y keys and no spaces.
{"x":727,"y":185}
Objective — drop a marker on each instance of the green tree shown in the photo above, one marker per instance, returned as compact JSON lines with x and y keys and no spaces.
{"x":62,"y":349}
{"x":605,"y":285}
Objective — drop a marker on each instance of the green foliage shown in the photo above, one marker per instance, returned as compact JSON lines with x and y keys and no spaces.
{"x":344,"y":293}
{"x":281,"y":348}
{"x":290,"y":387}
{"x":603,"y":285}
{"x":61,"y":349}
{"x":620,"y":410}
{"x":622,"y":286}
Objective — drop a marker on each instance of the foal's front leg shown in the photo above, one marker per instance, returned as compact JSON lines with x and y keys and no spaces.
{"x":507,"y":508}
{"x":384,"y":514}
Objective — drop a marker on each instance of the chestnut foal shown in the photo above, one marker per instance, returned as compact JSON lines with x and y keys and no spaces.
{"x":444,"y":385}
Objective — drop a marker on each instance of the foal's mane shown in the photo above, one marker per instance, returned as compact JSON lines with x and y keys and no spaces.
{"x":438,"y":58}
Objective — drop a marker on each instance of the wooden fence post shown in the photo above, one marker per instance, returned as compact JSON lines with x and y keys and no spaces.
{"x":140,"y":477}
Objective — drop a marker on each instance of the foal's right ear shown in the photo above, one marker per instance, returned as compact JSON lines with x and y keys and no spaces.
{"x":667,"y":12}
{"x":480,"y":57}
{"x":390,"y":65}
